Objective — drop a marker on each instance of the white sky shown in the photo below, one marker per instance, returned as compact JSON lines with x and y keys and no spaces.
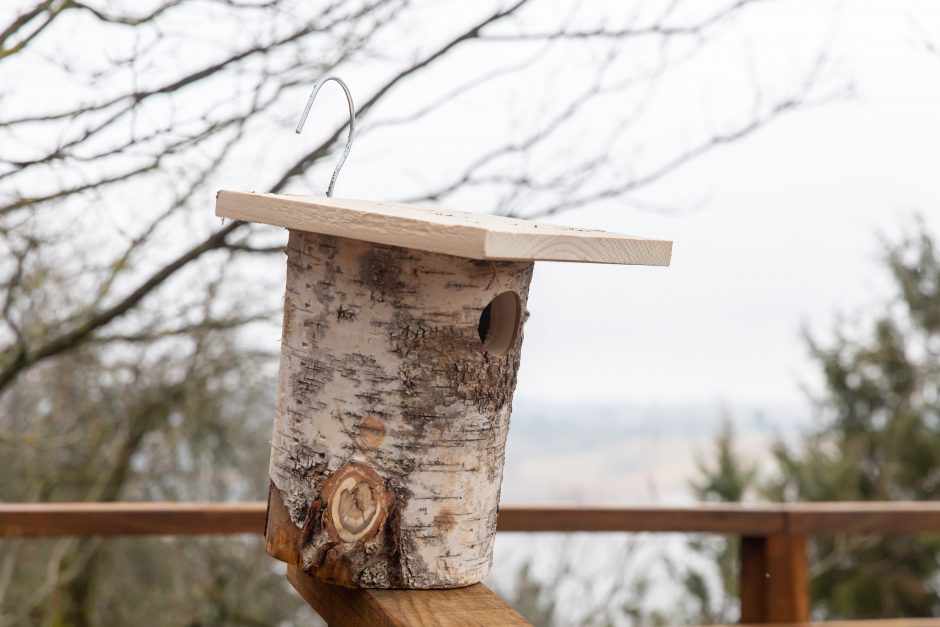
{"x":789,"y":236}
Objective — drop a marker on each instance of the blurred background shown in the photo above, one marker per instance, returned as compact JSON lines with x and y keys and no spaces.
{"x":790,"y":148}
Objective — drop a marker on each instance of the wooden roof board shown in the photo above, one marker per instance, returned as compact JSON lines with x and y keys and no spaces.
{"x":472,"y":235}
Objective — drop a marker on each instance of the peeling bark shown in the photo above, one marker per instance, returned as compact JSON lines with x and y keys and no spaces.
{"x":391,"y":418}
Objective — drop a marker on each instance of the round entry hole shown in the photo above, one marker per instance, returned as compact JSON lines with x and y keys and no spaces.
{"x":499,"y":323}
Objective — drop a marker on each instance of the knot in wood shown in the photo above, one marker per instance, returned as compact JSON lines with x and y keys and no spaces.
{"x":355,"y":508}
{"x":356,"y":502}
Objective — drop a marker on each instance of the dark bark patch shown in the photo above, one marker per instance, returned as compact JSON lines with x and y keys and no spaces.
{"x":379,"y":270}
{"x":347,"y":313}
{"x":445,"y":520}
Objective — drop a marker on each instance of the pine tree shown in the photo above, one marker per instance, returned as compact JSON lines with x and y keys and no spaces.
{"x":876,"y":437}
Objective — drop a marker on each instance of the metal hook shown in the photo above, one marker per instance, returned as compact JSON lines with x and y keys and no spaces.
{"x":352,"y":123}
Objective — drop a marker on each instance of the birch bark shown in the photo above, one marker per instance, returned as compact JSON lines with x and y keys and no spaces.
{"x":391,"y":417}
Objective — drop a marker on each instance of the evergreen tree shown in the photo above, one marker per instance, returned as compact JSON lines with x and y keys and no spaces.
{"x":876,"y":437}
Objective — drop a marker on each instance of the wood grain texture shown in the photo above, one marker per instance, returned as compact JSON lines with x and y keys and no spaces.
{"x":392,"y":414}
{"x":471,"y":606}
{"x":472,"y":235}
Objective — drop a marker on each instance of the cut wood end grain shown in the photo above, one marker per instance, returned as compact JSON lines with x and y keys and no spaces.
{"x":471,"y":235}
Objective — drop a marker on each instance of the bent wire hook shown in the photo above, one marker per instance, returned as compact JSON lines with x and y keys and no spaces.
{"x":352,"y":123}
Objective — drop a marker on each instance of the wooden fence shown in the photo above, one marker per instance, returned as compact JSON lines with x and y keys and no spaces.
{"x":774,"y":561}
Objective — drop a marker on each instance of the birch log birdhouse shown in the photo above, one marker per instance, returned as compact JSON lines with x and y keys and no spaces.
{"x":399,"y":353}
{"x":400,"y":348}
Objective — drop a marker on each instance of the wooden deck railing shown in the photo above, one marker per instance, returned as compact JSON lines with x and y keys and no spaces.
{"x":774,"y":563}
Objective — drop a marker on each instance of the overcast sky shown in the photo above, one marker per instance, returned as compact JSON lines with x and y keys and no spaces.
{"x":787,"y":235}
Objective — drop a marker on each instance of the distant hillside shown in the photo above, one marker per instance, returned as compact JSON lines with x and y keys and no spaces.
{"x":620,"y":453}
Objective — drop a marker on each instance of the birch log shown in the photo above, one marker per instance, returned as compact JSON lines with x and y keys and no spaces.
{"x":397,"y":373}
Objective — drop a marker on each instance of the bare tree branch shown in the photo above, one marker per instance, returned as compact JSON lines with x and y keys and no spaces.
{"x":657,"y":30}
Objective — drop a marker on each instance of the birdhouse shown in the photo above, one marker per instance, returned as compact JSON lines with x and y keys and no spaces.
{"x":402,"y":335}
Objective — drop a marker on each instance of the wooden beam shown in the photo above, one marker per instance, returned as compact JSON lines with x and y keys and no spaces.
{"x":774,"y":579}
{"x":36,"y":520}
{"x":471,"y":606}
{"x":885,"y":518}
{"x":41,"y":520}
{"x":878,"y":622}
{"x":721,"y":519}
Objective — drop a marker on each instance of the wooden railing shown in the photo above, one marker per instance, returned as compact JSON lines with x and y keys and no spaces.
{"x":774,"y":564}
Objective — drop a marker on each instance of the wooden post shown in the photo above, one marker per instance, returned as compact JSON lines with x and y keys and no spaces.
{"x":752,"y":592}
{"x":774,"y":579}
{"x":460,"y":607}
